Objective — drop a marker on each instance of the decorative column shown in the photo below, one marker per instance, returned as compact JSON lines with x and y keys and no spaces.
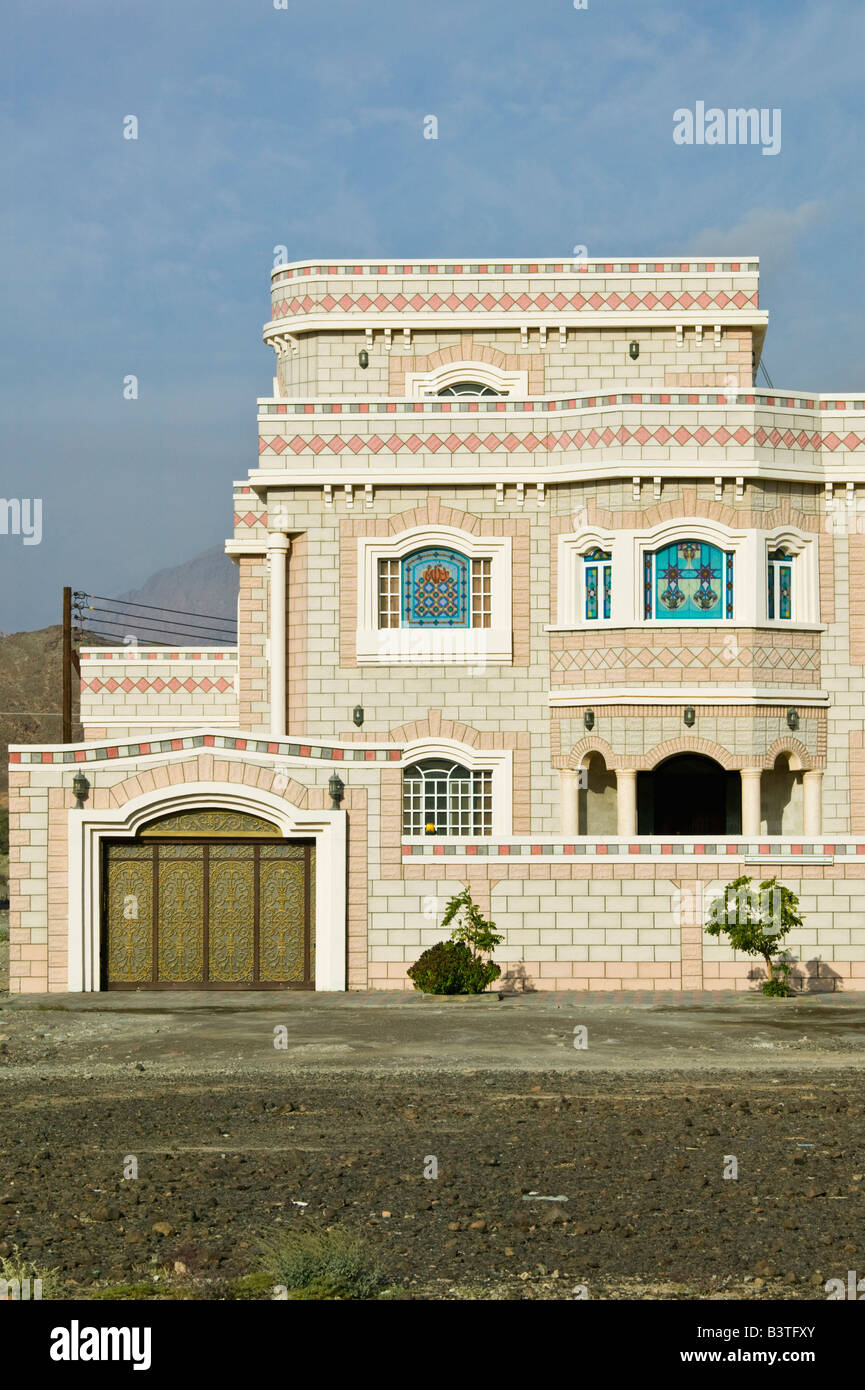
{"x":812,"y":787}
{"x":626,"y":801}
{"x":751,"y":800}
{"x":570,"y":817}
{"x":278,"y":547}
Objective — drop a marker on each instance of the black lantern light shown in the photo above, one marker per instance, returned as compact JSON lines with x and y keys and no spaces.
{"x":589,"y":719}
{"x":363,"y":358}
{"x":81,"y":789}
{"x":792,"y":719}
{"x":336,"y":787}
{"x":634,"y":350}
{"x":357,"y":715}
{"x":690,"y":716}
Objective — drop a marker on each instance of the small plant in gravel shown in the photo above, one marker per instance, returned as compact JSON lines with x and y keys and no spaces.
{"x":756,"y":922}
{"x":460,"y":965}
{"x":323,"y":1264}
{"x":18,"y":1274}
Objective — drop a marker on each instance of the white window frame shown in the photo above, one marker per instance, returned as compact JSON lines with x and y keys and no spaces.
{"x":419,"y":384}
{"x":497,"y":761}
{"x":421,"y":646}
{"x":750,"y":557}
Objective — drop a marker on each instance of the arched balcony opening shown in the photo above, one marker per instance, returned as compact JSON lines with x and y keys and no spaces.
{"x":782,"y":798}
{"x":596,"y":798}
{"x":689,"y":794}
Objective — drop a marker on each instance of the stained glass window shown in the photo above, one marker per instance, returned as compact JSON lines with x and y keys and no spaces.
{"x":597,"y":583}
{"x":780,"y":587}
{"x":441,"y":797}
{"x":688,"y":580}
{"x":435,"y":587}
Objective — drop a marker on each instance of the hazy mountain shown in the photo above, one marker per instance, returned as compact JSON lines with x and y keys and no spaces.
{"x":205,"y":585}
{"x":30,"y":662}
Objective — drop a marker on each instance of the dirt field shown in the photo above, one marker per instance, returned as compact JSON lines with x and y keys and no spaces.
{"x":236,"y":1141}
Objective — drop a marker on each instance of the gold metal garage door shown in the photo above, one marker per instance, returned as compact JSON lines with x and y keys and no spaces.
{"x":209,"y":900}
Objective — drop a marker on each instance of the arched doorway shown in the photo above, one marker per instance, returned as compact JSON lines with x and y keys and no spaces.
{"x":689,"y":794}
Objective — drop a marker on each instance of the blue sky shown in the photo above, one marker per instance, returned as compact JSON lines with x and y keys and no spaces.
{"x":304,"y":127}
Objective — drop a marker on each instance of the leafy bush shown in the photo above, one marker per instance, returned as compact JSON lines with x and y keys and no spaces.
{"x":316,"y":1264}
{"x":756,"y":922}
{"x":449,"y":967}
{"x":459,"y":965}
{"x":4,"y":830}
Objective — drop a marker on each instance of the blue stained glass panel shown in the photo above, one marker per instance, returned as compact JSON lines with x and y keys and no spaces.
{"x":435,"y":589}
{"x":692,"y":580}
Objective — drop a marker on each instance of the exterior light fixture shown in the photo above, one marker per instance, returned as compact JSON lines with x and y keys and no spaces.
{"x":363,"y":357}
{"x":634,"y":350}
{"x":357,"y":715}
{"x":336,"y":787}
{"x":81,"y":788}
{"x":792,"y":719}
{"x":689,"y":715}
{"x":589,"y":719}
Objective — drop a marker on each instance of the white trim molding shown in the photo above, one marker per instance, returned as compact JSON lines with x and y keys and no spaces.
{"x":419,"y":384}
{"x":418,"y":646}
{"x":499,"y":761}
{"x":750,"y":570}
{"x":88,"y":829}
{"x":732,"y":694}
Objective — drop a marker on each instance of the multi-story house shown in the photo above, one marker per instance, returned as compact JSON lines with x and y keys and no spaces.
{"x":539,"y":593}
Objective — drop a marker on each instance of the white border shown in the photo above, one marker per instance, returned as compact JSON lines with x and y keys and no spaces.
{"x":500,"y":761}
{"x":88,"y":828}
{"x":473,"y":646}
{"x":750,"y":549}
{"x":420,"y":384}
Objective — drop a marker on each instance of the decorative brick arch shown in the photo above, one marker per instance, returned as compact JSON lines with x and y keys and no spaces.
{"x":648,"y":761}
{"x":207,"y":768}
{"x":467,"y":350}
{"x":585,"y":747}
{"x":800,"y":758}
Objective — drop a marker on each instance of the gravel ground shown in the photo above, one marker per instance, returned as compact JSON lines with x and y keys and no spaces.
{"x":636,"y":1163}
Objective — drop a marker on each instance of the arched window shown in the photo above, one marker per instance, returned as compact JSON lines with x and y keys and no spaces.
{"x":441,"y":797}
{"x":472,"y":389}
{"x":687,"y":581}
{"x":779,"y":595}
{"x":597,"y":585}
{"x":435,"y":587}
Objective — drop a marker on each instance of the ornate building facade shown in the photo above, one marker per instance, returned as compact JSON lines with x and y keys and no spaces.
{"x":571,"y":610}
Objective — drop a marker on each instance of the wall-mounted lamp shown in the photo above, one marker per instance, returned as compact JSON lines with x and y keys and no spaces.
{"x":357,"y":715}
{"x":792,"y":719}
{"x":81,"y":789}
{"x":589,"y":719}
{"x":336,"y":787}
{"x":690,"y":716}
{"x":363,"y":357}
{"x":634,"y":350}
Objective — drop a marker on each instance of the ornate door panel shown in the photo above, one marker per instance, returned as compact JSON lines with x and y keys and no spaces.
{"x":208,"y":913}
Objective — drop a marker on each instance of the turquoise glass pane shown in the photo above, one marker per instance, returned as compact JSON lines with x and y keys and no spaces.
{"x":591,"y":591}
{"x":435,"y":589}
{"x":608,"y":571}
{"x":693,"y":580}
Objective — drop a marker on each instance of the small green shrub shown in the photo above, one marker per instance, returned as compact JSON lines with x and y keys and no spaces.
{"x":14,"y":1268}
{"x":316,"y":1264}
{"x":449,"y":967}
{"x":459,"y":965}
{"x":756,"y":922}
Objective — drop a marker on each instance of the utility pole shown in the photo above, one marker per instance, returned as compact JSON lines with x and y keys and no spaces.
{"x":67,"y":665}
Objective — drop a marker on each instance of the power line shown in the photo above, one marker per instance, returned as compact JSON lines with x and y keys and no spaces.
{"x":104,"y":617}
{"x":156,"y":608}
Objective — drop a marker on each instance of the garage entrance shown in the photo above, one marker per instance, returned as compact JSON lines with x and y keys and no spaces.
{"x":208,"y":900}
